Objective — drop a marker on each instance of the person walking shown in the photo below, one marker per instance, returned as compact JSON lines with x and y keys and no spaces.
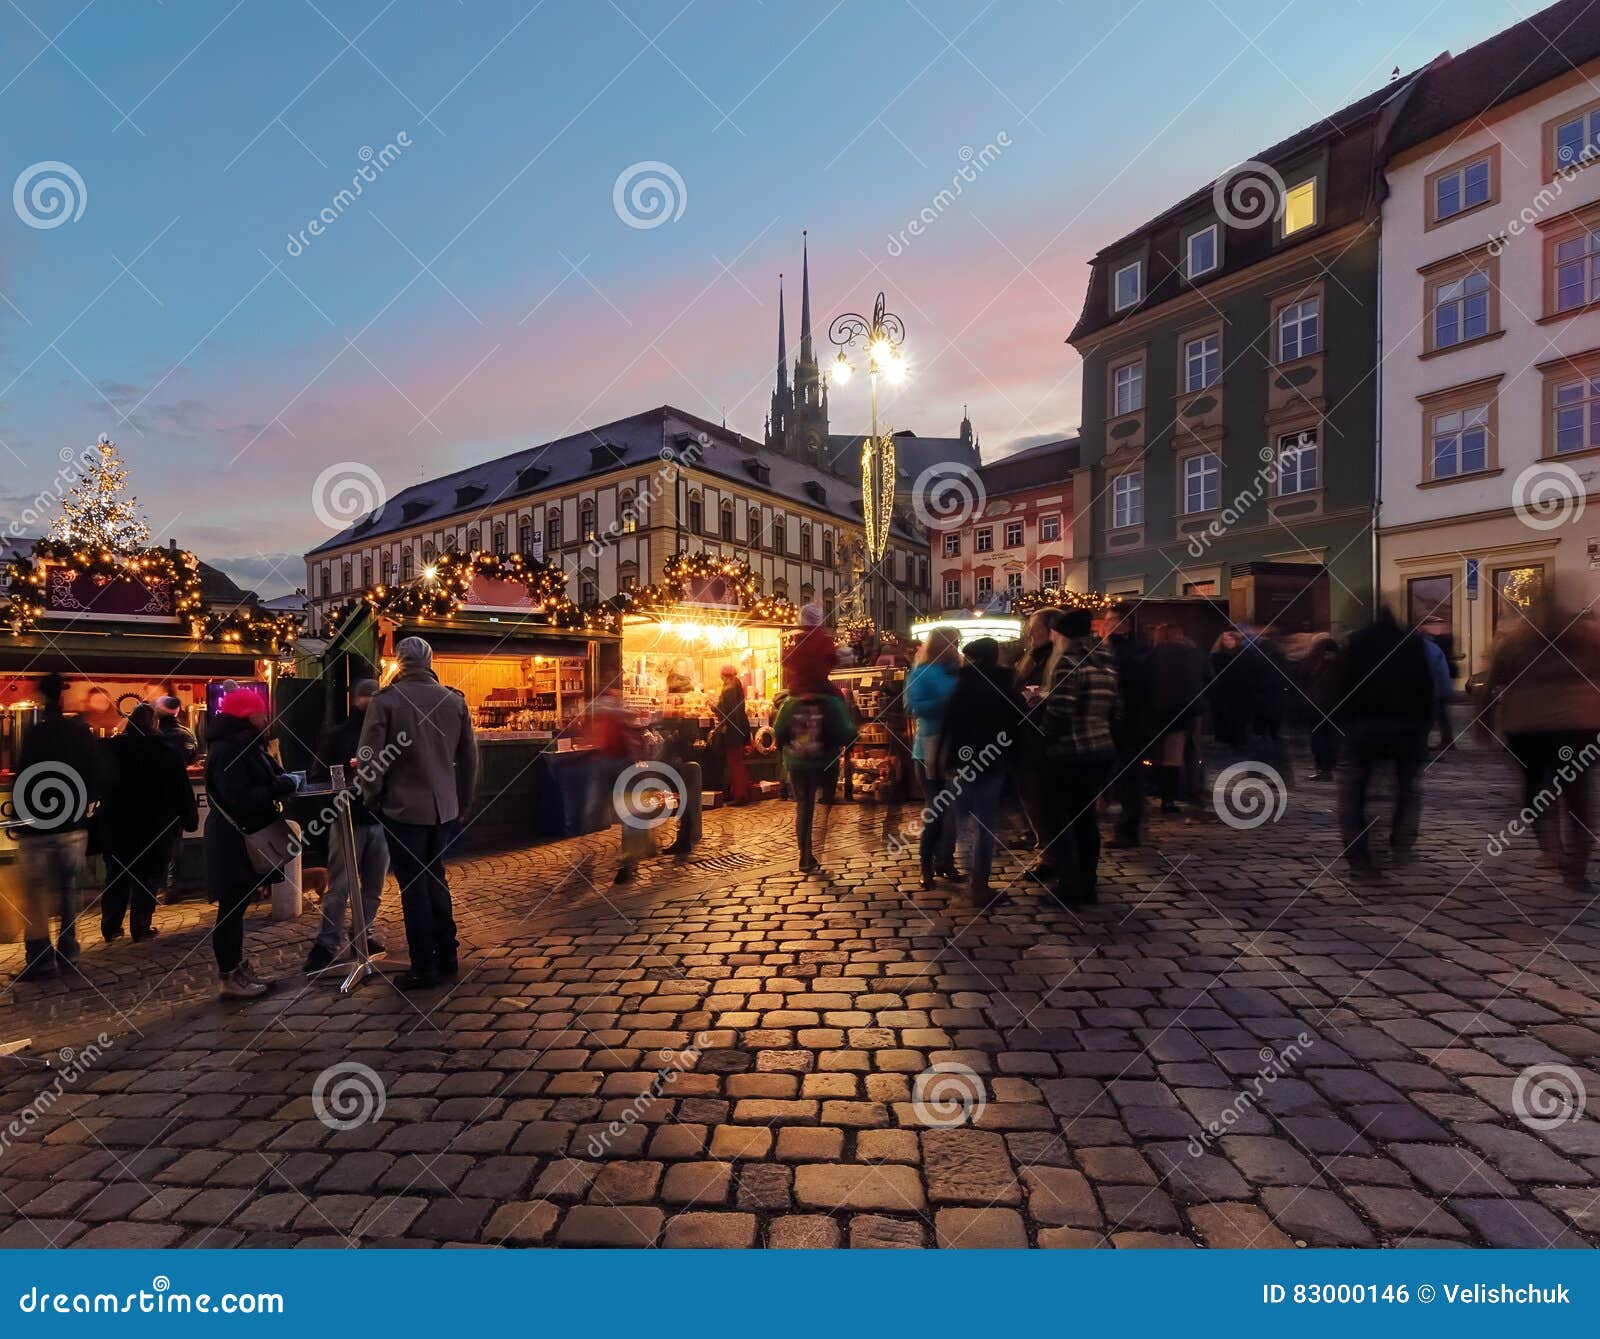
{"x":928,"y":687}
{"x":1543,"y":694}
{"x":1443,"y":686}
{"x":1321,"y":681}
{"x":1438,"y":633}
{"x":1385,"y":709}
{"x":148,"y":802}
{"x":812,"y":729}
{"x":245,"y":791}
{"x":1130,"y":730}
{"x":982,"y":725}
{"x":421,"y":770}
{"x":364,"y":880}
{"x":730,"y":735}
{"x":679,"y":735}
{"x":181,"y":740}
{"x":1177,"y":696}
{"x":1080,"y":753}
{"x":60,"y":775}
{"x":1226,"y":690}
{"x":1027,"y":773}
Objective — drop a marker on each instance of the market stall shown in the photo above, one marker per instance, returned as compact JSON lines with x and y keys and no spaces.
{"x":526,"y":660}
{"x":878,"y":765}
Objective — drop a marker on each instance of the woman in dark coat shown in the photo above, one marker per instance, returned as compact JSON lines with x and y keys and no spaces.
{"x":246,"y":789}
{"x":731,"y":734}
{"x":147,"y":801}
{"x":1228,"y":691}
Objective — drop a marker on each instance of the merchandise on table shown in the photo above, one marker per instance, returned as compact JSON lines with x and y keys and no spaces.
{"x":878,"y":764}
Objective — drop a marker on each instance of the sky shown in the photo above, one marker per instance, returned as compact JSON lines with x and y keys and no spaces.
{"x":253,"y":240}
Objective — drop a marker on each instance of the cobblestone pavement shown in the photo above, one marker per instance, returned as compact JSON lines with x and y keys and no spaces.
{"x":1235,"y":1047}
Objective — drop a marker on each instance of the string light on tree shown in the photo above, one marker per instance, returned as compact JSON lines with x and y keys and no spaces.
{"x":95,"y":513}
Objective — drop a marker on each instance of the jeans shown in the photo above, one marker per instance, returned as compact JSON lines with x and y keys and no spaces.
{"x":372,"y":864}
{"x":1557,"y":789}
{"x":418,"y":851}
{"x":807,"y":783}
{"x":1370,"y":745}
{"x":52,"y":867}
{"x":688,"y":834}
{"x":132,"y":879}
{"x":980,"y":801}
{"x":1071,"y":794}
{"x":937,"y":845}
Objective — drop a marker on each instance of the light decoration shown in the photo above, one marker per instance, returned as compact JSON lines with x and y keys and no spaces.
{"x":682,"y":568}
{"x":880,"y":337}
{"x":95,"y":514}
{"x":877,"y":494}
{"x":1058,"y":597}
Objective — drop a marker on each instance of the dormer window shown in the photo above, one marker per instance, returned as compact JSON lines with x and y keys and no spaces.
{"x":1127,"y":286}
{"x":1300,"y":207}
{"x":1201,"y":253}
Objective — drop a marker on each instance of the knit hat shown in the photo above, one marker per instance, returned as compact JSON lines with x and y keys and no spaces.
{"x":413,"y":651}
{"x":243,"y":702}
{"x":167,"y":706}
{"x":811,"y":615}
{"x":364,"y":688}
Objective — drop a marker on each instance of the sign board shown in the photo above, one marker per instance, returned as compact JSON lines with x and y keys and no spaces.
{"x":123,"y":599}
{"x":503,"y":597}
{"x":1472,"y":578}
{"x":711,"y":593}
{"x":1594,"y":553}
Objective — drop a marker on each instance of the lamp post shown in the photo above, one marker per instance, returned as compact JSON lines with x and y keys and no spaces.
{"x":879,"y":340}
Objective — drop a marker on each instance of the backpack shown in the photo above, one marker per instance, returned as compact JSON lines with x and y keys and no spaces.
{"x":808,"y":731}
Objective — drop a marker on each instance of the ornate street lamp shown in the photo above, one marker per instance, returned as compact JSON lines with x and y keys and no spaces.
{"x":879,"y":340}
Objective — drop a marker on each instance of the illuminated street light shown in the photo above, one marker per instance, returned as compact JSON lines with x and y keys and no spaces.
{"x":880,"y":338}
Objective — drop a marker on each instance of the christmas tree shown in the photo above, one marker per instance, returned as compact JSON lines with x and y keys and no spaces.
{"x":95,"y":513}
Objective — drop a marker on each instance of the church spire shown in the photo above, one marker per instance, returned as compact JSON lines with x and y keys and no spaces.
{"x":783,"y":348}
{"x":805,"y":300}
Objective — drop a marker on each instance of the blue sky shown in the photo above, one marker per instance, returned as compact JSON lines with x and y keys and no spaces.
{"x":483,"y":293}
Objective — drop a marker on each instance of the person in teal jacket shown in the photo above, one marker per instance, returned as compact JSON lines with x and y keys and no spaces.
{"x":928,"y":688}
{"x":812,"y":729}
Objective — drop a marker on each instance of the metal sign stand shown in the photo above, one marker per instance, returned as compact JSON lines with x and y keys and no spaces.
{"x":361,"y":966}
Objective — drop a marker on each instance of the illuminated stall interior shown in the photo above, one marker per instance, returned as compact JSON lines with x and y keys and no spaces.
{"x":674,"y":663}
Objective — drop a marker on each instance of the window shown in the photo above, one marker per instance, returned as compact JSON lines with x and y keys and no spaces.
{"x":452,"y":543}
{"x":1202,"y":483}
{"x":1050,"y":576}
{"x":1576,"y":280}
{"x":628,"y":512}
{"x":1431,"y":597}
{"x":1516,"y":590}
{"x":697,"y":515}
{"x":1300,"y":207}
{"x":805,"y":542}
{"x":983,"y":539}
{"x":474,"y":540}
{"x":500,"y":540}
{"x":1127,"y":499}
{"x":1202,"y":362}
{"x":1460,"y":309}
{"x":1013,"y":585}
{"x":1127,"y":388}
{"x":1299,"y":329}
{"x":1576,"y":415}
{"x":725,"y":521}
{"x":344,"y":577}
{"x":1204,"y":586}
{"x":525,"y":536}
{"x":1460,"y":440}
{"x":588,"y":591}
{"x":1202,"y":252}
{"x":386,"y":569}
{"x":952,"y":592}
{"x":1049,"y":529}
{"x":1576,"y":140}
{"x":952,"y":543}
{"x":1013,"y":534}
{"x":1127,"y":286}
{"x":752,"y":532}
{"x":1297,"y":462}
{"x":1458,"y":189}
{"x":627,"y":576}
{"x":427,"y":550}
{"x":406,"y":561}
{"x":552,"y":530}
{"x":985,"y":589}
{"x":827,"y":550}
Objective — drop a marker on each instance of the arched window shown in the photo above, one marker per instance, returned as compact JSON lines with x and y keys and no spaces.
{"x":525,"y":535}
{"x":780,"y":588}
{"x":805,"y":542}
{"x":808,"y":592}
{"x":344,"y":574}
{"x":753,"y":528}
{"x":629,"y":512}
{"x":552,"y":530}
{"x":827,"y":550}
{"x":586,"y":523}
{"x":725,"y":521}
{"x":500,"y":539}
{"x":452,"y":543}
{"x":406,"y":566}
{"x":427,"y":550}
{"x":696,"y":514}
{"x":827,"y":607}
{"x":366,"y":571}
{"x":474,"y":539}
{"x":588,"y":588}
{"x":386,"y":569}
{"x":627,"y":576}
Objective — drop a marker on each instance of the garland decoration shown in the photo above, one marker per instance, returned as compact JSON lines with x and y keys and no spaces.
{"x":26,"y":575}
{"x":877,"y":493}
{"x":682,"y":568}
{"x":1058,"y":597}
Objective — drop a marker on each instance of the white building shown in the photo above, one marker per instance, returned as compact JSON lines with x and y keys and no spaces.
{"x":1490,"y":327}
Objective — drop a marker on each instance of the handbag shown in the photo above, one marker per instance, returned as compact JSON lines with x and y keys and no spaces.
{"x":270,"y":848}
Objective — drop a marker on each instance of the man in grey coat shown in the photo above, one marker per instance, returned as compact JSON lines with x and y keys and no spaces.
{"x":418,"y":766}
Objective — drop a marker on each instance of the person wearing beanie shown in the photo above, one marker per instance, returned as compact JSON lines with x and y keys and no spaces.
{"x":419,"y":772}
{"x":341,"y":748}
{"x":60,"y":775}
{"x":731,"y":734}
{"x":245,"y":791}
{"x":810,"y":657}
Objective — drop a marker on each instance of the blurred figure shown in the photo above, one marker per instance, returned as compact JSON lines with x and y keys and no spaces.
{"x":982,"y":725}
{"x":1226,"y":690}
{"x":1435,"y":630}
{"x":1321,"y":680}
{"x":1265,"y":692}
{"x":1080,"y":753}
{"x":1443,"y":686}
{"x":1028,"y":772}
{"x":180,"y":739}
{"x":342,"y":748}
{"x":812,"y":656}
{"x":1385,"y":708}
{"x":678,"y":738}
{"x":614,"y":736}
{"x":148,"y":800}
{"x":60,"y":774}
{"x":1130,"y":731}
{"x":928,"y":687}
{"x":812,"y":729}
{"x":1177,"y":688}
{"x":1543,"y":692}
{"x":731,"y":734}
